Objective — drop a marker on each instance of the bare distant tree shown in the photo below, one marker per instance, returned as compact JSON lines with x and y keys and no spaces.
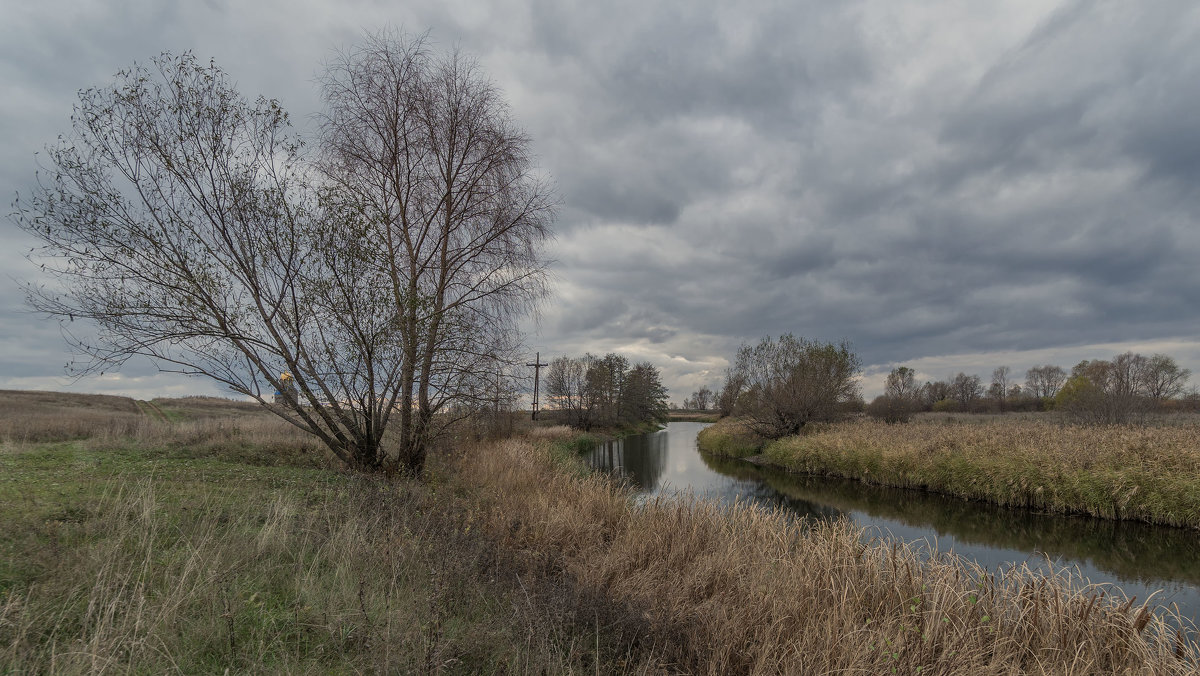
{"x":178,"y":218}
{"x":966,"y":389}
{"x":901,"y":397}
{"x":902,"y":383}
{"x":934,"y":391}
{"x":1045,"y":381}
{"x":566,"y":390}
{"x":731,"y":391}
{"x":702,"y":399}
{"x":1000,"y":385}
{"x":1163,"y":378}
{"x":422,"y":145}
{"x":1107,"y":392}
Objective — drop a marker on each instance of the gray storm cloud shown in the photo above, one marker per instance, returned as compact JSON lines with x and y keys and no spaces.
{"x":1002,"y":183}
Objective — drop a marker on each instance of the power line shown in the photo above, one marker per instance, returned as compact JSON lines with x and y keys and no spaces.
{"x":537,"y":379}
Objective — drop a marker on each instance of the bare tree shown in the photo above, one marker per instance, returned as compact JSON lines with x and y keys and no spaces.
{"x":966,"y":390}
{"x":902,"y":383}
{"x":1045,"y":381}
{"x":1107,"y":392}
{"x":422,"y":145}
{"x":701,"y":400}
{"x":731,"y":391}
{"x":934,"y":391}
{"x":900,"y":398}
{"x":566,"y":390}
{"x":1000,"y":385}
{"x":1163,"y":378}
{"x":178,"y":218}
{"x":791,"y":382}
{"x":184,"y":221}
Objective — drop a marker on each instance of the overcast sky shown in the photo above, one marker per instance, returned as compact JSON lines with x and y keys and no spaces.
{"x":951,"y":186}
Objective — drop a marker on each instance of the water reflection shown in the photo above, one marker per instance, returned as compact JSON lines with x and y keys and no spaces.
{"x":1134,"y":552}
{"x":1141,"y":558}
{"x":640,"y":459}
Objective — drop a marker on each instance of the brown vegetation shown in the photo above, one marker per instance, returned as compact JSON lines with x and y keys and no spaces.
{"x":27,"y":416}
{"x":745,"y":591}
{"x":1144,"y":473}
{"x":168,"y":551}
{"x":201,"y":547}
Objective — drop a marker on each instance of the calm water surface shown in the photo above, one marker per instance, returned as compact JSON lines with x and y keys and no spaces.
{"x":1139,"y":558}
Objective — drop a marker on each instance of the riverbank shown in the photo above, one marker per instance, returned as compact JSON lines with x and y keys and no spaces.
{"x":1149,"y":474}
{"x":201,"y":548}
{"x":716,"y":589}
{"x":582,"y":441}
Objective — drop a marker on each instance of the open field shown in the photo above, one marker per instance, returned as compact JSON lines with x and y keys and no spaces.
{"x":210,"y":544}
{"x":224,"y":543}
{"x":1146,"y":473}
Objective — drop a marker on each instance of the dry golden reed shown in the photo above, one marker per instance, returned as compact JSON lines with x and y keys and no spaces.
{"x":741,"y":590}
{"x":1145,"y":473}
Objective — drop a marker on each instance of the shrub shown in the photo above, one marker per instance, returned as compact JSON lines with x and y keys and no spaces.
{"x":792,"y":382}
{"x":946,"y":406}
{"x":891,"y":409}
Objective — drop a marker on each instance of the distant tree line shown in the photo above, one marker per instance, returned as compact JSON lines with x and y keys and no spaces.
{"x":590,"y":391}
{"x":1123,"y":389}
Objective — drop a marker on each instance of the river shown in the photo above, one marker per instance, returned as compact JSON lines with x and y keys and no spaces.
{"x":1139,"y":558}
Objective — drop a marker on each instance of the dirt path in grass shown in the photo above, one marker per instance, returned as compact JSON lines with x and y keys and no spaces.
{"x":153,"y":411}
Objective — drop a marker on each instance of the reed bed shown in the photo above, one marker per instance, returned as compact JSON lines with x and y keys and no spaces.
{"x":1143,"y":473}
{"x":741,"y":590}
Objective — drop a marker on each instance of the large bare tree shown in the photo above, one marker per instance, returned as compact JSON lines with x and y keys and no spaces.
{"x":1163,"y":378}
{"x":384,"y":281}
{"x":424,"y":147}
{"x":178,"y":217}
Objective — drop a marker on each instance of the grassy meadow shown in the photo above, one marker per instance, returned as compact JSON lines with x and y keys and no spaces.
{"x":202,"y":541}
{"x":1147,"y":473}
{"x":226,"y":541}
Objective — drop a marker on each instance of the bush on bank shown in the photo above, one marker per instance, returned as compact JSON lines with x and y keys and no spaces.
{"x":731,"y":438}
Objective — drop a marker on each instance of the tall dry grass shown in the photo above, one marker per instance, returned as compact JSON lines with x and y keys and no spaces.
{"x":334,"y":575}
{"x":188,"y":427}
{"x":740,"y":590}
{"x":33,"y":417}
{"x":1147,"y":473}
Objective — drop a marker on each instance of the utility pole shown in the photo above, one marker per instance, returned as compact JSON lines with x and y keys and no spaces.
{"x":537,"y":380}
